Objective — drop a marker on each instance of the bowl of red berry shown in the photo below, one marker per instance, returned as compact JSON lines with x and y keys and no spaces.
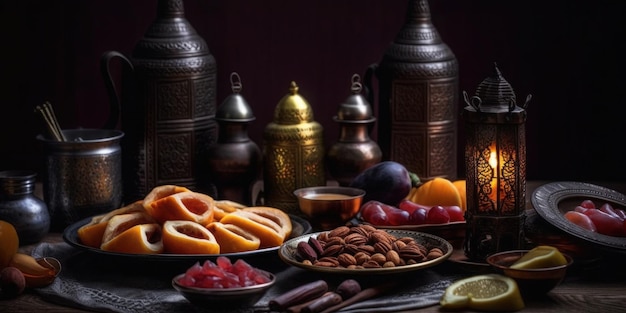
{"x":223,"y":283}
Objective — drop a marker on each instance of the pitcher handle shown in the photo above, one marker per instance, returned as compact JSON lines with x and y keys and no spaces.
{"x":368,"y":83}
{"x":114,"y":99}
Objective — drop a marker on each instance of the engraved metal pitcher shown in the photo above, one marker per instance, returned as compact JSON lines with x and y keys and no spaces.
{"x":417,"y":98}
{"x":167,"y":105}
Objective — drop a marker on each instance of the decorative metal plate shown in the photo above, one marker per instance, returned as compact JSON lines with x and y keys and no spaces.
{"x":300,"y":227}
{"x":552,"y":200}
{"x":288,"y":253}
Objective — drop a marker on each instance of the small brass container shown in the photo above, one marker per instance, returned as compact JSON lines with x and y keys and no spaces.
{"x":293,"y":152}
{"x":354,"y":151}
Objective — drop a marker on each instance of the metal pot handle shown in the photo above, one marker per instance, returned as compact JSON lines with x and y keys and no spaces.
{"x":114,"y":99}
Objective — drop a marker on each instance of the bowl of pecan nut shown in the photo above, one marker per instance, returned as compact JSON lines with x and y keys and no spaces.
{"x":364,"y":249}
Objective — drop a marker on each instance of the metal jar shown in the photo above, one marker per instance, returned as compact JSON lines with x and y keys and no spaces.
{"x":83,"y":175}
{"x":293,"y":150}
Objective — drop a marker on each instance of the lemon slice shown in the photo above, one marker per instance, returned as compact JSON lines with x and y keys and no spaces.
{"x":540,"y":257}
{"x":489,"y":292}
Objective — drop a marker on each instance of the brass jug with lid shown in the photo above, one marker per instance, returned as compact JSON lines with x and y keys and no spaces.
{"x":293,"y":151}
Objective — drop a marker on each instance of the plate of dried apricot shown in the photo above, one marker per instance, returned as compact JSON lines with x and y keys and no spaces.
{"x":365,"y":250}
{"x":174,"y":223}
{"x":300,"y":227}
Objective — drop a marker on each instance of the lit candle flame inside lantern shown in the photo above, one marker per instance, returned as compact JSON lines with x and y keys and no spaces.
{"x":493,"y":162}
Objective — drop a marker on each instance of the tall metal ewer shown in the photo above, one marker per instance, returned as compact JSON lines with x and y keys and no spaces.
{"x":168,"y":104}
{"x":418,"y":97}
{"x":293,"y":152}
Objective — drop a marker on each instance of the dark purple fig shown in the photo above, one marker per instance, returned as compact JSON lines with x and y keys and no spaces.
{"x":387,"y":182}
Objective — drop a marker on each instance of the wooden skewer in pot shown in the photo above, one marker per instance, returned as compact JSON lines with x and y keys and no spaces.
{"x":54,"y":129}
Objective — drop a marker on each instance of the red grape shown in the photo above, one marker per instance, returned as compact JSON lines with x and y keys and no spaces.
{"x":455,"y":212}
{"x":373,"y":213}
{"x":437,"y":215}
{"x":418,"y":216}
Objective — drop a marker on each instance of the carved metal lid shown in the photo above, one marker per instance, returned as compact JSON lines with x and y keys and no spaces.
{"x":235,"y":108}
{"x":292,"y":108}
{"x":355,"y":108}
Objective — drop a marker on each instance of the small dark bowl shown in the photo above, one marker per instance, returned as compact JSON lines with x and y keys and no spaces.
{"x":532,"y":282}
{"x":226,"y":298}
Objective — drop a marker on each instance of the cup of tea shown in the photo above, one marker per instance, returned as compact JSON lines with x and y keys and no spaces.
{"x":82,"y":175}
{"x":327,"y":207}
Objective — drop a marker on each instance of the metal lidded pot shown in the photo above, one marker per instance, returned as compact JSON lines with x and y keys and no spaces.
{"x":293,"y":152}
{"x":354,"y":151}
{"x":234,"y":161}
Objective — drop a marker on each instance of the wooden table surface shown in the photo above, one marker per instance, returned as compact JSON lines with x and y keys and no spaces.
{"x":599,"y":286}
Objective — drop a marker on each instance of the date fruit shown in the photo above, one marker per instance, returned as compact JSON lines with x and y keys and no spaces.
{"x":12,"y":282}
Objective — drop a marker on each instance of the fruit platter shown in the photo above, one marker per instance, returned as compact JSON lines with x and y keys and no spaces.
{"x":436,"y":207}
{"x":589,"y":212}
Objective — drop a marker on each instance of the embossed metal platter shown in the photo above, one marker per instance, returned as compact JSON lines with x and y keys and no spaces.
{"x":300,"y":227}
{"x":288,"y":253}
{"x":552,"y":200}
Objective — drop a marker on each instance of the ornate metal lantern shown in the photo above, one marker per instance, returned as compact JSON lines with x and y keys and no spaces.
{"x":495,"y":160}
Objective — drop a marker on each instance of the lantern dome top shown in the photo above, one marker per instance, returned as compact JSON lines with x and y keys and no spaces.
{"x":494,"y":95}
{"x":495,"y":90}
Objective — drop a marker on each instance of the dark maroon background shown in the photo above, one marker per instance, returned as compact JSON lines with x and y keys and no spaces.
{"x":568,"y":54}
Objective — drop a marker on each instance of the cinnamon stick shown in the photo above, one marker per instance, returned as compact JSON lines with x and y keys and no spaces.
{"x":298,"y":307}
{"x":363,"y":295}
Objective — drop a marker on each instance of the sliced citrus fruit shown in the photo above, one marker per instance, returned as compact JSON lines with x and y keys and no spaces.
{"x":91,"y":233}
{"x":187,"y":237}
{"x":122,"y":222}
{"x":490,"y":292}
{"x":276,"y":215}
{"x":233,"y":238}
{"x":187,"y":206}
{"x":138,"y":239}
{"x":223,"y":207}
{"x":264,"y":228}
{"x":540,"y":257}
{"x":9,"y":243}
{"x":162,"y":191}
{"x":437,"y":191}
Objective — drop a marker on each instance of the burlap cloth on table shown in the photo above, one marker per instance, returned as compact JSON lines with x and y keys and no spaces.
{"x":103,"y":284}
